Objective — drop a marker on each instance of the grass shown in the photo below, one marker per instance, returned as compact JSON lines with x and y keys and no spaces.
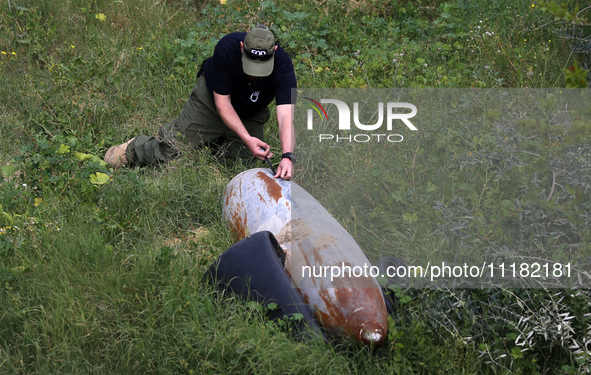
{"x":105,"y":276}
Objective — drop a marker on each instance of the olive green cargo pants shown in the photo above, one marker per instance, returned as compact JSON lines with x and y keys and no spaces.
{"x":199,"y":124}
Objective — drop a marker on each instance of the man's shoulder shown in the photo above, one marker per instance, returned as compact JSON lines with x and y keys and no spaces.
{"x":231,"y":40}
{"x":282,"y":53}
{"x":283,"y":61}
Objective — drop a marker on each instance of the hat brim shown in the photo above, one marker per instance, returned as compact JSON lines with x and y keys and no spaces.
{"x":257,"y":68}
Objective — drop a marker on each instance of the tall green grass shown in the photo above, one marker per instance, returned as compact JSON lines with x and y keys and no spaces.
{"x":106,"y":277}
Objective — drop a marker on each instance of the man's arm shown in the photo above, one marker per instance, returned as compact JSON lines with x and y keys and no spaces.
{"x":287,"y":139}
{"x":257,"y":148}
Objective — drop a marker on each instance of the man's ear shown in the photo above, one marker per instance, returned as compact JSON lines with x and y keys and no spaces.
{"x":242,"y":47}
{"x":275,"y":47}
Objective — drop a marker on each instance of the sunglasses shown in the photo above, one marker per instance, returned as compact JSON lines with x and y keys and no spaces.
{"x":258,"y":55}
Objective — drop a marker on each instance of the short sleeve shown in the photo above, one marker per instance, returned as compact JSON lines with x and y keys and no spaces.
{"x":219,"y":77}
{"x":285,"y":79}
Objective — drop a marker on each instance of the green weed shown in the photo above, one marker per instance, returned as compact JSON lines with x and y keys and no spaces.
{"x":101,"y":269}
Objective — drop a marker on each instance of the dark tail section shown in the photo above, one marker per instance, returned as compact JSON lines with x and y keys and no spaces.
{"x":254,"y":269}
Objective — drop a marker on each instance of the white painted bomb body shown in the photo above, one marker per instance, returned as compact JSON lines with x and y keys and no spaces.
{"x":324,"y":262}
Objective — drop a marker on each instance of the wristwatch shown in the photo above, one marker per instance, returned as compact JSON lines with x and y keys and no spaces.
{"x":290,"y":155}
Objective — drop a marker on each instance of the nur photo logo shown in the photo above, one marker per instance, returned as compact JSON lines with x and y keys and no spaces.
{"x":390,"y":113}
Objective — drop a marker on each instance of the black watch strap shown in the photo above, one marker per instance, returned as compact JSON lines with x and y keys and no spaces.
{"x":289,"y":155}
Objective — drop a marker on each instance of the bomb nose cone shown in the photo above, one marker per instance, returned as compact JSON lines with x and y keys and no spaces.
{"x":373,"y":334}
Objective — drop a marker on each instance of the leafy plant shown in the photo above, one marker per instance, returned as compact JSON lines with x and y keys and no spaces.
{"x":50,"y":165}
{"x":100,"y":269}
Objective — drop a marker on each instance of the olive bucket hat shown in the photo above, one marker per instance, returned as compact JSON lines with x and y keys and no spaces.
{"x":259,"y":51}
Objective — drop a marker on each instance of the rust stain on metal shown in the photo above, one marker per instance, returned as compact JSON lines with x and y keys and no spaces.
{"x":359,"y":323}
{"x":284,"y":235}
{"x":317,"y":253}
{"x":238,"y":226}
{"x":332,"y":319}
{"x":273,"y":188}
{"x":300,"y":230}
{"x":321,"y":243}
{"x":326,"y":240}
{"x":229,"y":195}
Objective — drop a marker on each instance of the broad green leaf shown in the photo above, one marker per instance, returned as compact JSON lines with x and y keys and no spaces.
{"x":410,"y":218}
{"x":516,"y":353}
{"x":82,"y":157}
{"x":431,"y":187}
{"x":99,"y":178}
{"x":7,"y":170}
{"x":64,"y":149}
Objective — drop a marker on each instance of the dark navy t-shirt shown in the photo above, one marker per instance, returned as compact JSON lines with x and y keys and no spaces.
{"x":224,"y":75}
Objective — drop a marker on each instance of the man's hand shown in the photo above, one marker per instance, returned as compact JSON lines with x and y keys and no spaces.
{"x":258,"y":148}
{"x":285,"y":169}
